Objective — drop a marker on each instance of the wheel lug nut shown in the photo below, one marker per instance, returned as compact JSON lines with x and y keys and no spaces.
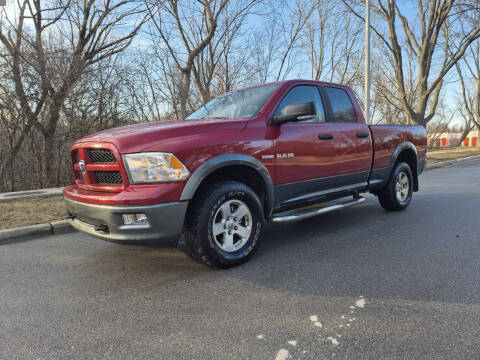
{"x":229,"y":233}
{"x":224,"y":226}
{"x":234,"y":219}
{"x":236,"y":227}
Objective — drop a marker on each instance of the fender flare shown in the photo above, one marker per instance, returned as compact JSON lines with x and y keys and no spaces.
{"x":221,"y":161}
{"x":406,"y":145}
{"x":402,"y":146}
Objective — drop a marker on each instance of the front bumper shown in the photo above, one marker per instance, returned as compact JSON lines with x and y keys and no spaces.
{"x":105,"y":222}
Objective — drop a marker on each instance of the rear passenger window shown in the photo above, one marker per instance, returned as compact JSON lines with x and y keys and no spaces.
{"x":341,"y":105}
{"x":301,"y":94}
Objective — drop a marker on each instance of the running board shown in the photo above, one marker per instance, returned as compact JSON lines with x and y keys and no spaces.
{"x":304,"y":213}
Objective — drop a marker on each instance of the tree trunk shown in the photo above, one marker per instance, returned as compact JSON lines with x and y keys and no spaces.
{"x":48,"y":161}
{"x":48,"y":158}
{"x":13,"y":152}
{"x":12,"y":172}
{"x":465,"y":133}
{"x":184,"y":92}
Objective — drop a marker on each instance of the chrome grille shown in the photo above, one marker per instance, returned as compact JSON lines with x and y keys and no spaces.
{"x":108,"y":177}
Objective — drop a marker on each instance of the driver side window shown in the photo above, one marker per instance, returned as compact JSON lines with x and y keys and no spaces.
{"x":301,"y":94}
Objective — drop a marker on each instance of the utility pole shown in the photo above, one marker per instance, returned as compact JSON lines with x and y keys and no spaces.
{"x":367,"y":61}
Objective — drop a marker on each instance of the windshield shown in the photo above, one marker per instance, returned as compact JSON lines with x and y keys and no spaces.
{"x":244,"y":103}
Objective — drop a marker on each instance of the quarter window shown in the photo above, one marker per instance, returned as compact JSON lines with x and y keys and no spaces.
{"x":301,"y":94}
{"x":341,"y":105}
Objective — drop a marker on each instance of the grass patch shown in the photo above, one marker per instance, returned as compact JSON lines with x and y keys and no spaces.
{"x":440,"y":155}
{"x":16,"y":213}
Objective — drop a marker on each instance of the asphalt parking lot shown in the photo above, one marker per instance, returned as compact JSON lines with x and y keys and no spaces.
{"x":355,"y":284}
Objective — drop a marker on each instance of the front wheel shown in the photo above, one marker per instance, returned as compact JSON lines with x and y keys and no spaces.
{"x":224,"y":226}
{"x":397,"y":193}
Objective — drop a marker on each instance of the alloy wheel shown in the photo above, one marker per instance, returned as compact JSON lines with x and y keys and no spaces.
{"x":232,"y":225}
{"x":402,"y":187}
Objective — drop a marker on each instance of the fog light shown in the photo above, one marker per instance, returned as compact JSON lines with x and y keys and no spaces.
{"x":135,"y":219}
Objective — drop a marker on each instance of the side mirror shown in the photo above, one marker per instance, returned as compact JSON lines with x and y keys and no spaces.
{"x":296,"y":112}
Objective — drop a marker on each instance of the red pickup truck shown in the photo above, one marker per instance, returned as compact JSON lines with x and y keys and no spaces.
{"x":276,"y":152}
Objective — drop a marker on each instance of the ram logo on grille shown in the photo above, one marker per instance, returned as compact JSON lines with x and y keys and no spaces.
{"x":81,"y":166}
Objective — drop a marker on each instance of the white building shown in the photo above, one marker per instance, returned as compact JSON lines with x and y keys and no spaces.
{"x":451,"y":139}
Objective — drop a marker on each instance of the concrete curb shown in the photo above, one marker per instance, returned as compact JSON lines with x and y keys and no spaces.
{"x":10,"y":236}
{"x":451,"y":162}
{"x":61,"y":227}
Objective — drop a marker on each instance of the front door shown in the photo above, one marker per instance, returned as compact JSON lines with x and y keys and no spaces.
{"x":354,"y":147}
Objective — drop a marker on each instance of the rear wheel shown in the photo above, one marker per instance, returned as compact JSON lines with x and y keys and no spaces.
{"x":397,"y":193}
{"x":224,"y":226}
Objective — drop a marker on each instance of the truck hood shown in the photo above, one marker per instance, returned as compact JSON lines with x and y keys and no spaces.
{"x":156,"y":136}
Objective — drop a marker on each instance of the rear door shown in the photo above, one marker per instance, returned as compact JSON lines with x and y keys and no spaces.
{"x":353,"y":142}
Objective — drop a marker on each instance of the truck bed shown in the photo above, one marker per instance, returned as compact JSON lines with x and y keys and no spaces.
{"x":386,"y":138}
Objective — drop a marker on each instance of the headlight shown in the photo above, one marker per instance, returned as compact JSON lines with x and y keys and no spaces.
{"x":154,"y":167}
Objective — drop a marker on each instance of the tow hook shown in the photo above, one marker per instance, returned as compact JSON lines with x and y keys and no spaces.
{"x":101,"y":228}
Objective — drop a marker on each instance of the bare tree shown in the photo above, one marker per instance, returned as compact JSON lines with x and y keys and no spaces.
{"x":470,"y":88}
{"x":333,"y":42}
{"x":51,"y":45}
{"x":192,"y":25}
{"x":469,"y":105}
{"x":441,"y":123}
{"x":276,"y":50}
{"x":220,"y":49}
{"x":13,"y":131}
{"x":432,"y":49}
{"x":388,"y":108}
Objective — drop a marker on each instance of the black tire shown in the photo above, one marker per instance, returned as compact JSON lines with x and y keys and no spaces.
{"x":387,"y":196}
{"x":198,"y":240}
